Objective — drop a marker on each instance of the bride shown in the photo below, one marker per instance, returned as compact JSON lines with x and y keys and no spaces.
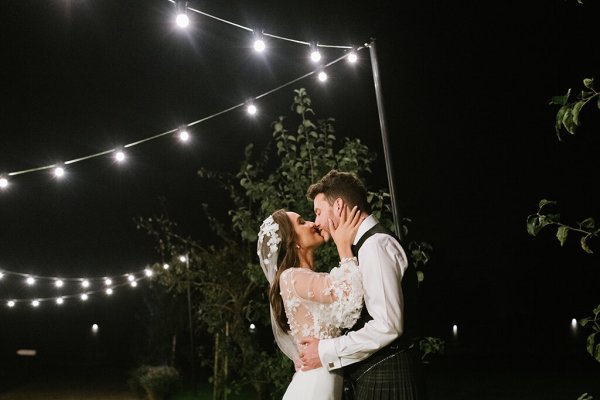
{"x":305,"y":303}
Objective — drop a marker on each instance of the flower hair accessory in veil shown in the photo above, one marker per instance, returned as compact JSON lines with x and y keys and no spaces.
{"x":268,"y":251}
{"x":268,"y":262}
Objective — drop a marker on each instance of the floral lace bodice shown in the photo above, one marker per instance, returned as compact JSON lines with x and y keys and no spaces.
{"x":320,"y":305}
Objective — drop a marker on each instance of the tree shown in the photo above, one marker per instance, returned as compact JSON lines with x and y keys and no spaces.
{"x":229,"y":289}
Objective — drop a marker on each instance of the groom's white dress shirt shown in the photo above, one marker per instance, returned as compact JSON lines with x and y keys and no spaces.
{"x":382,"y":262}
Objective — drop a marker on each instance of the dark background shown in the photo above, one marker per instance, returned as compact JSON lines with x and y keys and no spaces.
{"x":466,"y":91}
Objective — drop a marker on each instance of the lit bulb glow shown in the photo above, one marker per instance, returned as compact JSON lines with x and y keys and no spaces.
{"x":315,"y":56}
{"x":59,"y":283}
{"x":59,"y":301}
{"x":252,"y":110}
{"x":322,"y":76}
{"x":120,"y":156}
{"x":352,"y":57}
{"x":84,"y":297}
{"x":148,"y":272}
{"x":109,"y":291}
{"x":85,"y":283}
{"x":95,"y":328}
{"x":184,"y":136}
{"x":30,"y":281}
{"x":1,"y":275}
{"x":165,"y":266}
{"x":259,"y":45}
{"x":59,"y":172}
{"x":454,"y":330}
{"x":130,"y":277}
{"x":35,"y":303}
{"x":133,"y":284}
{"x":108,"y":281}
{"x":3,"y":183}
{"x":11,"y":303}
{"x":182,"y":20}
{"x":574,"y":323}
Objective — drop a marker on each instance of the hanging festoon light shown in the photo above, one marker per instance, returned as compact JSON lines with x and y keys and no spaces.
{"x":108,"y":281}
{"x":183,"y":133}
{"x":315,"y":55}
{"x":1,"y":275}
{"x":322,"y":75}
{"x":352,"y":57}
{"x":259,"y":41}
{"x":3,"y":182}
{"x":165,"y":266}
{"x":251,"y":108}
{"x":148,"y":272}
{"x":84,"y":297}
{"x":59,"y":171}
{"x":120,"y":155}
{"x":11,"y":303}
{"x":59,"y":283}
{"x":30,"y":281}
{"x":60,"y":301}
{"x":35,"y":303}
{"x":181,"y":18}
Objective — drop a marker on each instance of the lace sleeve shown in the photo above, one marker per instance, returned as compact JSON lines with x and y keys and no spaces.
{"x":346,"y":284}
{"x":340,"y":291}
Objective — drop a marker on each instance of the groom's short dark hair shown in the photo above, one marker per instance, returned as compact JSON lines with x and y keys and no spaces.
{"x":344,"y":185}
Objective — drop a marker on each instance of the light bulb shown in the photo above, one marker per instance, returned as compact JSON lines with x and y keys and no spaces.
{"x":35,"y":303}
{"x":148,"y":272}
{"x":252,"y":110}
{"x":322,"y":76}
{"x":108,"y":281}
{"x":59,"y":172}
{"x":259,"y":45}
{"x":84,"y":297}
{"x":165,"y":266}
{"x":3,"y":183}
{"x":85,"y":283}
{"x":133,"y":284}
{"x":59,"y":301}
{"x":109,"y":291}
{"x":11,"y":303}
{"x":120,"y":156}
{"x":352,"y":57}
{"x":59,"y":283}
{"x":30,"y":281}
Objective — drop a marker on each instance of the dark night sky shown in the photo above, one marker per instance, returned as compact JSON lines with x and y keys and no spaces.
{"x":466,"y":90}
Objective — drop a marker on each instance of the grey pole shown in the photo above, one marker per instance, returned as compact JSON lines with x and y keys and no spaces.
{"x":189,"y":304}
{"x":384,"y":138}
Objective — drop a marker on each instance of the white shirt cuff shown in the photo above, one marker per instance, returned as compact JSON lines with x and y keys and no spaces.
{"x":328,"y":354}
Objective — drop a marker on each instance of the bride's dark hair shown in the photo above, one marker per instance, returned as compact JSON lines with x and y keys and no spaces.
{"x":287,"y":258}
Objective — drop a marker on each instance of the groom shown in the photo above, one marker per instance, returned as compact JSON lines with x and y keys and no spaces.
{"x":379,"y":356}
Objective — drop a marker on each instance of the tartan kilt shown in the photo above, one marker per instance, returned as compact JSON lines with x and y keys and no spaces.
{"x":395,"y":376}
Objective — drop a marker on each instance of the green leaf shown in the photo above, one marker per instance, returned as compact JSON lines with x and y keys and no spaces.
{"x":598,"y":102}
{"x":561,"y":234}
{"x":567,"y":121}
{"x":420,"y":276}
{"x":561,"y":100}
{"x":576,"y":110}
{"x":597,"y":310}
{"x":587,"y":223}
{"x":589,"y":83}
{"x":584,"y":321}
{"x":533,"y":224}
{"x":544,"y":202}
{"x":585,"y":246}
{"x":593,"y":347}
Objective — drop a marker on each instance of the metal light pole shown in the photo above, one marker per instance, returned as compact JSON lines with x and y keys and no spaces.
{"x":384,"y":138}
{"x":189,"y":304}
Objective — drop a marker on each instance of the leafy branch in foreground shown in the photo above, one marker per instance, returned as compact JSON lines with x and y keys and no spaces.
{"x":586,"y":228}
{"x":593,"y":340}
{"x":567,"y":116}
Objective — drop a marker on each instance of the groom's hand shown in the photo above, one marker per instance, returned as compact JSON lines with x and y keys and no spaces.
{"x":309,"y":356}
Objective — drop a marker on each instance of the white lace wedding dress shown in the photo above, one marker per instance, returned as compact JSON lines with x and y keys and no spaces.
{"x":320,"y":305}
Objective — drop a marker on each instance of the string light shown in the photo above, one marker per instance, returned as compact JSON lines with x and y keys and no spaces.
{"x":148,"y":272}
{"x":182,"y":259}
{"x":134,"y":283}
{"x":181,"y":19}
{"x":84,"y":297}
{"x":59,"y":172}
{"x":251,"y":108}
{"x":109,"y":291}
{"x":165,"y":266}
{"x":315,"y":55}
{"x":60,"y":301}
{"x":120,"y":156}
{"x":322,"y":76}
{"x":182,"y":11}
{"x":1,"y":275}
{"x":352,"y":56}
{"x":11,"y":303}
{"x":259,"y":42}
{"x":59,"y":283}
{"x":184,"y":136}
{"x":30,"y":280}
{"x":35,"y":303}
{"x":108,"y":281}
